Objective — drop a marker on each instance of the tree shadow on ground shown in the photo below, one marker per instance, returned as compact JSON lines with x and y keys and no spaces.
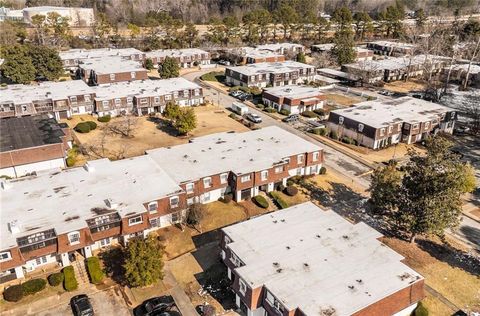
{"x":113,"y":261}
{"x":164,"y":126}
{"x":472,"y":234}
{"x":454,"y":257}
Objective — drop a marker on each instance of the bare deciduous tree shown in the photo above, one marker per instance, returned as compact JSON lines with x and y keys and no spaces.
{"x":124,"y":126}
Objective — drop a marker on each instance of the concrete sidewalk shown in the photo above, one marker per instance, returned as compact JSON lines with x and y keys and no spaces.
{"x":181,"y":299}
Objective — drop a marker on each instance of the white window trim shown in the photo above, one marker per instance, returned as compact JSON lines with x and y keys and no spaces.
{"x":245,"y":178}
{"x":279,"y":169}
{"x":224,"y":178}
{"x":155,"y":204}
{"x":264,"y":175}
{"x":242,"y":286}
{"x":382,"y":131}
{"x":173,"y":198}
{"x":316,"y":155}
{"x":300,"y":159}
{"x":112,"y":76}
{"x":9,"y":256}
{"x":70,"y":235}
{"x":209,"y":179}
{"x":131,"y":223}
{"x":188,"y":185}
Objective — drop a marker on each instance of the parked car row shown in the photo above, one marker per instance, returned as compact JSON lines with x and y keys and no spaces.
{"x":241,"y":95}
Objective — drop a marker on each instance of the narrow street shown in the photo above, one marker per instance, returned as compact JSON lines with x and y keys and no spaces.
{"x":468,"y":231}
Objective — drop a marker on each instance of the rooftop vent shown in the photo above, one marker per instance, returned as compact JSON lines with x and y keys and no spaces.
{"x":89,"y":167}
{"x":110,"y":203}
{"x":5,"y":184}
{"x":276,"y":264}
{"x":14,"y":227}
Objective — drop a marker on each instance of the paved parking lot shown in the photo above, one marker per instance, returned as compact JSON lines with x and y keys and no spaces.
{"x":105,"y":303}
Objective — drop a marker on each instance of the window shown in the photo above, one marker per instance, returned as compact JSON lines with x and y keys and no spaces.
{"x":157,"y":99}
{"x":152,"y":206}
{"x":186,"y":93}
{"x":74,"y":238}
{"x":87,"y":98}
{"x":287,"y":160}
{"x":273,"y":301}
{"x":176,"y":217}
{"x":105,"y":242}
{"x":143,"y":101}
{"x":244,"y":179}
{"x":279,"y":169}
{"x":190,"y":187}
{"x":415,"y":126}
{"x":382,"y":131}
{"x":73,"y":100}
{"x":316,"y":155}
{"x":206,"y":197}
{"x":175,"y":94}
{"x":196,"y":92}
{"x":399,"y":127}
{"x":41,"y":260}
{"x":264,"y":175}
{"x":390,"y":129}
{"x":223,"y":178}
{"x":168,"y":97}
{"x":427,"y":125}
{"x":105,"y":103}
{"x":300,"y":159}
{"x":135,"y":220}
{"x":243,"y":286}
{"x":4,"y":256}
{"x":174,"y":201}
{"x":129,"y":100}
{"x":112,"y":77}
{"x":189,"y":201}
{"x":207,"y":182}
{"x":155,"y":222}
{"x":118,"y":101}
{"x":234,"y":259}
{"x":340,"y":120}
{"x":132,"y":74}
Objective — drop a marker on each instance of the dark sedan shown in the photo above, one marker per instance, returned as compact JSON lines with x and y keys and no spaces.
{"x":154,"y":306}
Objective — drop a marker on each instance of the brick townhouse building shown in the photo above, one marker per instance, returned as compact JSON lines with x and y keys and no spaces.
{"x":61,"y":99}
{"x":31,"y":144}
{"x":146,"y":96}
{"x":378,"y":124}
{"x":361,"y":53}
{"x":73,"y":57}
{"x":306,"y":261}
{"x":252,"y":55}
{"x":106,"y":202}
{"x":105,"y":70}
{"x":270,"y":74}
{"x":294,"y":99}
{"x":388,"y":48}
{"x":186,"y":58}
{"x":286,"y":49}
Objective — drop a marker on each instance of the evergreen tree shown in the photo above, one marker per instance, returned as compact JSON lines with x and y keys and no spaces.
{"x":46,"y":61}
{"x":286,"y":16}
{"x":143,"y":261}
{"x":385,"y":187}
{"x":17,"y":65}
{"x":301,"y":58}
{"x":186,"y":121}
{"x":344,"y":44}
{"x":169,"y":68}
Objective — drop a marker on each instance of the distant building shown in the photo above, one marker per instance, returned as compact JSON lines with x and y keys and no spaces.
{"x":270,"y":74}
{"x":251,"y":55}
{"x":61,"y":99}
{"x":388,"y":48}
{"x":145,"y":96}
{"x":31,"y":144}
{"x":73,"y":57}
{"x":307,"y":261}
{"x":396,"y":68}
{"x":361,"y":53}
{"x":98,"y":71}
{"x":459,"y":74}
{"x":79,"y":17}
{"x":6,"y":14}
{"x":294,"y":99}
{"x":283,"y":48}
{"x":379,"y":124}
{"x":186,"y":58}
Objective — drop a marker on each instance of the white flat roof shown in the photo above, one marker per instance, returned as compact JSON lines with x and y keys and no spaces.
{"x":98,"y":53}
{"x":395,"y":63}
{"x":329,"y":46}
{"x":23,"y":94}
{"x":111,"y":64}
{"x":143,"y":88}
{"x":174,"y":52}
{"x":380,"y":113}
{"x":308,"y":258}
{"x":294,"y":91}
{"x":393,"y":44}
{"x":238,"y":152}
{"x":64,"y":200}
{"x":276,"y":67}
{"x":278,"y":46}
{"x":253,"y":52}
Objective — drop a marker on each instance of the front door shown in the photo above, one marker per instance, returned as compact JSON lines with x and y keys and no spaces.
{"x":246,"y":194}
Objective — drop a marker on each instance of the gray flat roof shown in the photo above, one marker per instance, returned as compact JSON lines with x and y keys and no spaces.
{"x":380,"y":113}
{"x":238,"y":152}
{"x":111,"y":64}
{"x":144,"y":88}
{"x":329,"y":46}
{"x":253,"y":52}
{"x":278,"y":46}
{"x":24,"y":94}
{"x":266,"y":68}
{"x":336,"y":73}
{"x":64,"y":200}
{"x":29,"y":131}
{"x":315,"y":260}
{"x":294,"y":91}
{"x":395,"y":63}
{"x":98,"y":53}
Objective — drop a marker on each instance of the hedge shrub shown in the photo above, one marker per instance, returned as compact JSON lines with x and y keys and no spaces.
{"x":70,"y":161}
{"x":284,"y":112}
{"x":70,"y":282}
{"x":260,"y":201}
{"x":260,"y":106}
{"x":278,"y":200}
{"x":82,"y":127}
{"x":291,"y":190}
{"x":421,"y":310}
{"x":233,"y":116}
{"x":13,"y":293}
{"x":320,"y":112}
{"x":269,"y":109}
{"x":309,"y":114}
{"x":33,"y":286}
{"x":94,"y":270}
{"x":104,"y":119}
{"x":323,"y":170}
{"x":55,"y":279}
{"x":334,"y":135}
{"x":92,"y":125}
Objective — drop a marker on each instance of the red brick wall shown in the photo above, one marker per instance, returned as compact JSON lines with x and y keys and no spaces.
{"x":64,"y":244}
{"x":17,"y":260}
{"x":122,"y":76}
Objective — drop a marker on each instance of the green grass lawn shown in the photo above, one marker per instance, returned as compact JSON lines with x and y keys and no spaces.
{"x":218,"y":76}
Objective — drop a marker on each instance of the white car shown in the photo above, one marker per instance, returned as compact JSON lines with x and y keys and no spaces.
{"x":255,"y":118}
